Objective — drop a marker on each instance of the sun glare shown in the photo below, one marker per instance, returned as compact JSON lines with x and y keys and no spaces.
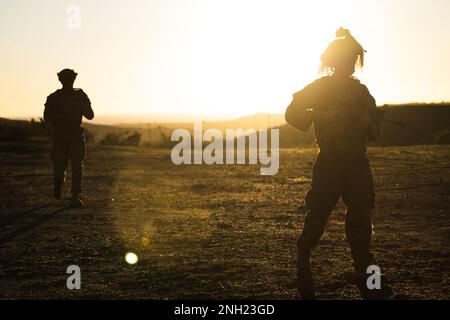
{"x":252,"y":60}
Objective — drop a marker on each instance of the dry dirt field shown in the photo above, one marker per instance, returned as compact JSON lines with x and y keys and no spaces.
{"x":214,"y":231}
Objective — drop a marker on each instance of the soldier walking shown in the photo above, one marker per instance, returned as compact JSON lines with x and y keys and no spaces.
{"x":345,"y":117}
{"x":64,"y":110}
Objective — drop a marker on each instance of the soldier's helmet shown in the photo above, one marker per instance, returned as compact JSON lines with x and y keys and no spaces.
{"x":67,"y":75}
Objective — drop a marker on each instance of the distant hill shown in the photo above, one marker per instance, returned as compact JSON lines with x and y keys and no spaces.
{"x":256,"y":121}
{"x":159,"y":133}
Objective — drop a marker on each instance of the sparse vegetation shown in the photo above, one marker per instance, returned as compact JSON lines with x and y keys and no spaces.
{"x":121,"y":139}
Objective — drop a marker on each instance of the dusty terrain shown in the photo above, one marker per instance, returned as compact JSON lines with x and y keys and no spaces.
{"x":214,"y":231}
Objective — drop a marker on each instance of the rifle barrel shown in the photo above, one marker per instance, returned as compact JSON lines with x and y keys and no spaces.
{"x":398,"y":123}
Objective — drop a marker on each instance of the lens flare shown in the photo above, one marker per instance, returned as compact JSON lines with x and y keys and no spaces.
{"x":131,"y":258}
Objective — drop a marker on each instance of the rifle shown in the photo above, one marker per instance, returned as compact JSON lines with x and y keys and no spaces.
{"x":378,"y":115}
{"x":398,"y":123}
{"x":375,"y":115}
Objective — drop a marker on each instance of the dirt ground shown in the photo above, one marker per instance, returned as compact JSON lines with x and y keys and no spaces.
{"x":214,"y":231}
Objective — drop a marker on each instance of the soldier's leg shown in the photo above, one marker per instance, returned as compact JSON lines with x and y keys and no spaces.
{"x":320,"y":201}
{"x":359,"y":196}
{"x":77,"y":154}
{"x":60,"y":157}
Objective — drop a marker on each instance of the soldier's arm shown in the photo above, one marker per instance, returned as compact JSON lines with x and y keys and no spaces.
{"x":50,"y":112}
{"x":299,"y":113}
{"x":88,"y":113}
{"x":375,"y":116}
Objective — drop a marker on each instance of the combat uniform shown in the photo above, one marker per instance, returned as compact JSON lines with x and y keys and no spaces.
{"x":341,"y":168}
{"x":64,"y":110}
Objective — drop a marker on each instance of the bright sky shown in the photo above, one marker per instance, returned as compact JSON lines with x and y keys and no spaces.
{"x":222,"y":57}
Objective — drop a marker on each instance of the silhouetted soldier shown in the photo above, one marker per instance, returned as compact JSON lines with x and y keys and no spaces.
{"x":64,"y":110}
{"x":345,"y":117}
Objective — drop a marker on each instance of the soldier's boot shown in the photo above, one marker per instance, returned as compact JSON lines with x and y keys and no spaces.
{"x":75,"y":201}
{"x":305,"y":279}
